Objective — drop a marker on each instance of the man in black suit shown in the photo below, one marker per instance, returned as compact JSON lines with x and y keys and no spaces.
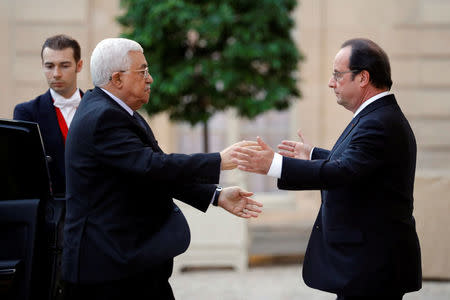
{"x":122,"y":228}
{"x":54,"y":110}
{"x":364,"y":243}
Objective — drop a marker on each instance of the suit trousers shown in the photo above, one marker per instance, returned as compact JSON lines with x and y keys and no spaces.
{"x":142,"y":286}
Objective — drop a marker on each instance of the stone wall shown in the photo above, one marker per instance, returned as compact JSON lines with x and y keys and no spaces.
{"x":414,"y":33}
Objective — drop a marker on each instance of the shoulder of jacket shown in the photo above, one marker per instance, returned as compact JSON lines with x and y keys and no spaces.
{"x":36,"y":100}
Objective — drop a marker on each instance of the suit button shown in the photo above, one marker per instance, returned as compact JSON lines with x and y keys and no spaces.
{"x":176,"y":209}
{"x":317,"y":226}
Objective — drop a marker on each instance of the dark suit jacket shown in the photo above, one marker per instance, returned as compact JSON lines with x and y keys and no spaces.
{"x":41,"y":110}
{"x":121,"y":219}
{"x":364,"y":240}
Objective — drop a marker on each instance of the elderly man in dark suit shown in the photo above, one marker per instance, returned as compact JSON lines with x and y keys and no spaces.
{"x":364,"y":243}
{"x":122,"y":228}
{"x":54,"y":110}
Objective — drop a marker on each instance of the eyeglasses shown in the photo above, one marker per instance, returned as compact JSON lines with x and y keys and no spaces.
{"x":338,"y":75}
{"x":144,"y":73}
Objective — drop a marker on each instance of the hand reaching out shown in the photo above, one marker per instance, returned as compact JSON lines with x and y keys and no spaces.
{"x":235,"y":200}
{"x":226,"y":163}
{"x":254,"y":159}
{"x":294,"y":149}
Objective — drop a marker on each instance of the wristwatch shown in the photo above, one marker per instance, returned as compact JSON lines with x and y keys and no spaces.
{"x":216,"y":195}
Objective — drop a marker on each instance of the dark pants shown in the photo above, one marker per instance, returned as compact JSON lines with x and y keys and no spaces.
{"x":383,"y":297}
{"x":143,"y":286}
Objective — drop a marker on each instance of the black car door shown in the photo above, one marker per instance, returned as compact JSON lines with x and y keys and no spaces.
{"x":30,"y":219}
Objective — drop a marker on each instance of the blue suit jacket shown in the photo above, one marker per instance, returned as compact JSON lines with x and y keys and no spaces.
{"x":120,"y":218}
{"x":364,"y":240}
{"x":41,"y":110}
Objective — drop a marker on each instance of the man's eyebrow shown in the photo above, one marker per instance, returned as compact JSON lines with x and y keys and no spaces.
{"x":58,"y":63}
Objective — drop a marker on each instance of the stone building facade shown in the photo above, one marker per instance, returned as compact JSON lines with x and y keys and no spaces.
{"x":414,"y":33}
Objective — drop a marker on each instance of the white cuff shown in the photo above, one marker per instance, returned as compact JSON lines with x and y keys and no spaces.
{"x":276,"y":166}
{"x":214,"y":196}
{"x":310,"y":153}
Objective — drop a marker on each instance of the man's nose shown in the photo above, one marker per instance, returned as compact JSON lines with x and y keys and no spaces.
{"x":331,"y":82}
{"x":150,"y":79}
{"x":56,"y":72}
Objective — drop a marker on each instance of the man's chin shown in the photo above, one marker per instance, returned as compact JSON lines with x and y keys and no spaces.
{"x":143,"y":102}
{"x":58,"y":89}
{"x":147,"y":98}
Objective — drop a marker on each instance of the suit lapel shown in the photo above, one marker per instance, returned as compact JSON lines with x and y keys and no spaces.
{"x":344,"y":134}
{"x":386,"y":100}
{"x":49,"y":126}
{"x":49,"y":122}
{"x":143,"y":130}
{"x":141,"y":123}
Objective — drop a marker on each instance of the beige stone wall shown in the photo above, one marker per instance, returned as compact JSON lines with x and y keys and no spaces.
{"x":414,"y":33}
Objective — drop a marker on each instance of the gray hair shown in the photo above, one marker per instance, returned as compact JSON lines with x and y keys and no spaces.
{"x":109,"y":56}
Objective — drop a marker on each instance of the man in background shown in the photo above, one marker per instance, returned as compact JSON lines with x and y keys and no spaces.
{"x":363,"y":243}
{"x":54,"y":110}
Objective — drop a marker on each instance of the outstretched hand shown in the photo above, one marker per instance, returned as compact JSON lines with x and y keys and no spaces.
{"x":294,"y":149}
{"x":255,"y":160}
{"x":236,"y":201}
{"x":225,"y":155}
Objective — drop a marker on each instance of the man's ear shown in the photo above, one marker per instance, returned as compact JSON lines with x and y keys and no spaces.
{"x":115,"y":80}
{"x":79,"y":65}
{"x":364,"y":78}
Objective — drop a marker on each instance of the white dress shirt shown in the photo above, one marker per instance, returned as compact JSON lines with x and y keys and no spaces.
{"x":67,"y":106}
{"x":277,"y":162}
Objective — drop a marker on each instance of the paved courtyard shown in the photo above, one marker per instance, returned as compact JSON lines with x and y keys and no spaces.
{"x":269,"y":283}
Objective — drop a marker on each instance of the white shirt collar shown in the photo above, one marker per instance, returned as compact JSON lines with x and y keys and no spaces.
{"x":62,"y":102}
{"x":120,"y":102}
{"x":369,"y":101}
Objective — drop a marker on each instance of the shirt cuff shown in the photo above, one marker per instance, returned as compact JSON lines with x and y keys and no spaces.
{"x":310,"y":153}
{"x":213,"y":197}
{"x":276,"y":166}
